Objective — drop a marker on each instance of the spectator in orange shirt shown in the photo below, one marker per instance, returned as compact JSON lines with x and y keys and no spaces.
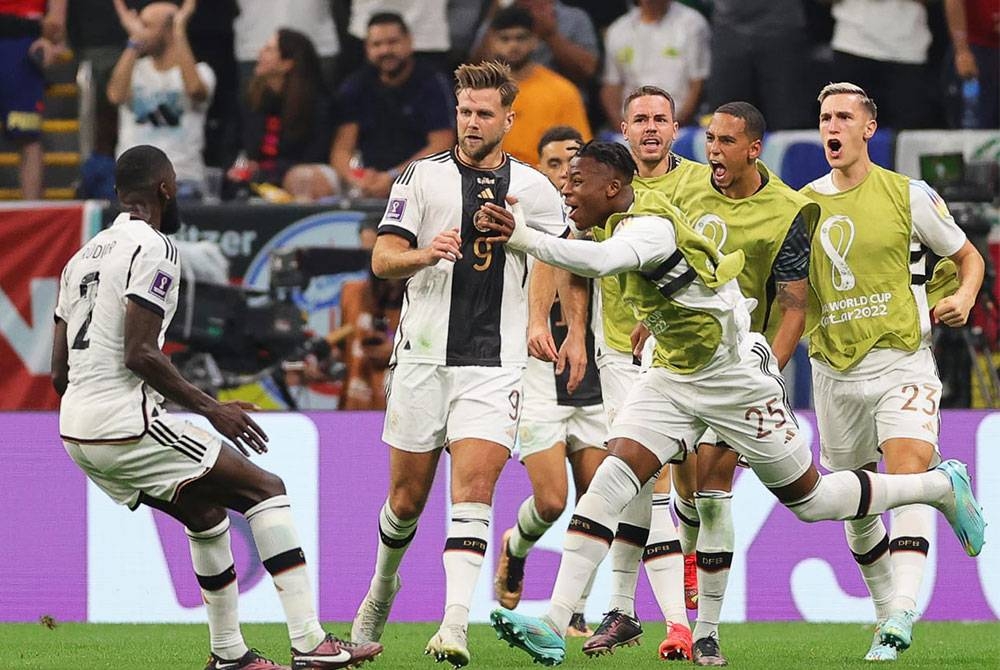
{"x":545,"y":98}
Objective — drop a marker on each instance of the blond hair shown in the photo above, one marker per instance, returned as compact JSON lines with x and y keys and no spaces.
{"x":847,"y":88}
{"x":488,"y":74}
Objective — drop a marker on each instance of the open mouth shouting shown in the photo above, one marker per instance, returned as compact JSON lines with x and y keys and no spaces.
{"x":651,"y":144}
{"x":719,"y":171}
{"x":834,"y":148}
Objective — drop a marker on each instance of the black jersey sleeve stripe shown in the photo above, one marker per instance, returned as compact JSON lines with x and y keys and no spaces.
{"x":135,"y":254}
{"x":407,"y":173}
{"x":169,"y":248}
{"x":151,"y":306}
{"x":389,"y":229}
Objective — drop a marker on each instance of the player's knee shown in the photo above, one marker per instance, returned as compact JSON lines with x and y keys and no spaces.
{"x":268,"y":485}
{"x":405,"y":505}
{"x":814,"y":507}
{"x":203,"y":518}
{"x":550,"y":505}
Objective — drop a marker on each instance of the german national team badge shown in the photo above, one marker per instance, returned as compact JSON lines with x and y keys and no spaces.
{"x":161,"y":284}
{"x":480,"y":219}
{"x":394,"y":212}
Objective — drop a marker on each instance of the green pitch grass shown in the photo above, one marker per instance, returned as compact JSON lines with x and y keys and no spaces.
{"x":748,"y":647}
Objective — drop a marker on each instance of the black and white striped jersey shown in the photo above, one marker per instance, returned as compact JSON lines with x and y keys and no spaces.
{"x":473,"y":311}
{"x":130,"y":261}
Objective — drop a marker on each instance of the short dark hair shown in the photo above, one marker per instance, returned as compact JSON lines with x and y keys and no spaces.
{"x":614,"y":155}
{"x":753,"y":121}
{"x":642,"y":92}
{"x":141,"y":169}
{"x":388,"y":18}
{"x":512,"y":17}
{"x":559,"y":134}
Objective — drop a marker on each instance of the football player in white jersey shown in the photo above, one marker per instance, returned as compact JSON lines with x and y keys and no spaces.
{"x":460,"y":349}
{"x":875,"y":382}
{"x":685,"y":292}
{"x":116,"y":298}
{"x":563,"y":417}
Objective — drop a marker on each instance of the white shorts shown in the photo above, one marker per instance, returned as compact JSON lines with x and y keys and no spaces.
{"x":855,"y":417}
{"x":576,"y":427}
{"x":170,"y":454}
{"x":618,"y":375}
{"x":744,"y":404}
{"x":545,"y":422}
{"x":428,"y":406}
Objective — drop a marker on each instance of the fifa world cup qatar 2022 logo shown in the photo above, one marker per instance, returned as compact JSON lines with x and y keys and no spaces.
{"x":836,"y":234}
{"x":714,"y":228}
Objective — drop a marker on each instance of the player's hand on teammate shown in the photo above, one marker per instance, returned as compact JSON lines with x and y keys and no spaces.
{"x":638,"y":337}
{"x":500,"y":220}
{"x":540,"y":343}
{"x":573,"y":353}
{"x":232,"y":421}
{"x":446,"y":245}
{"x":953,"y":310}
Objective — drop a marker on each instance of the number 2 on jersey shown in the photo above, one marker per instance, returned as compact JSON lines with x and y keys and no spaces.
{"x":88,"y":292}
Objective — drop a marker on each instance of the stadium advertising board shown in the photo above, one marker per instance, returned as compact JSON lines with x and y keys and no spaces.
{"x":71,"y":554}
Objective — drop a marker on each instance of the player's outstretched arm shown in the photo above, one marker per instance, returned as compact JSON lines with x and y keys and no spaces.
{"x":144,"y":357}
{"x":394,"y":258}
{"x":582,"y":257}
{"x":60,"y":358}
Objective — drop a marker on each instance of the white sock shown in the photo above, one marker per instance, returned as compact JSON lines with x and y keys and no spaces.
{"x":687,"y":529}
{"x":631,"y":537}
{"x":278,"y":545}
{"x":715,"y":558}
{"x":664,"y":562}
{"x":529,"y":529}
{"x":581,"y":604}
{"x":869,"y":543}
{"x":589,"y":536}
{"x":212,"y":557}
{"x":395,"y":536}
{"x":464,"y":550}
{"x":852,"y":494}
{"x":911,"y":527}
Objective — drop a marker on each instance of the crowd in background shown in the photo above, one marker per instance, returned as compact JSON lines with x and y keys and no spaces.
{"x":322,"y":97}
{"x":310,"y":100}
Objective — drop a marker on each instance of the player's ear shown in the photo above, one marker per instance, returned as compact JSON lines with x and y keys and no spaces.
{"x":870,"y":128}
{"x":614,"y":188}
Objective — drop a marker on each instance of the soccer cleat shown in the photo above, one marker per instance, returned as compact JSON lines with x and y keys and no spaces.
{"x":252,"y":660}
{"x":677,"y":646}
{"x":508,"y":583}
{"x":450,"y":644}
{"x":332,"y":653}
{"x":690,"y":582}
{"x":966,"y":517}
{"x":879,"y":651}
{"x":578,"y":626}
{"x":706,"y":652}
{"x":897,"y":629}
{"x":372,"y":614}
{"x":533,"y":635}
{"x":617,"y":629}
